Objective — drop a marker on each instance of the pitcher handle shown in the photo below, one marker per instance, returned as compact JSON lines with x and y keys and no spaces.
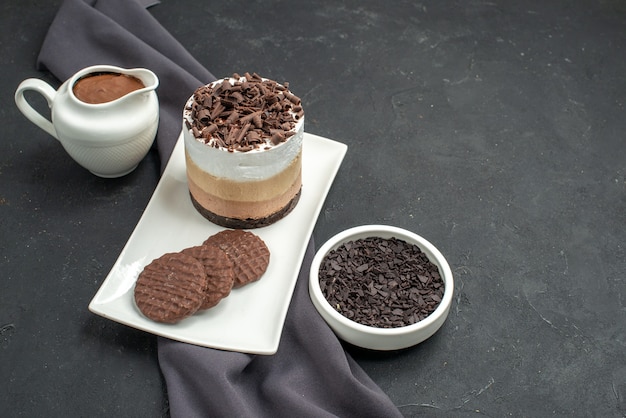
{"x":31,"y":114}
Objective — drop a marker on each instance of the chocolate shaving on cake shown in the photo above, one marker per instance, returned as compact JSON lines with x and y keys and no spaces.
{"x":244,"y":113}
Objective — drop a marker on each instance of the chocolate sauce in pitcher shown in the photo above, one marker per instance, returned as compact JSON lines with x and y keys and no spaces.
{"x":105,"y":87}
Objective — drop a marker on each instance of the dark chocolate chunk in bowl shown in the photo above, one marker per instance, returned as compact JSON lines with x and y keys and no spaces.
{"x":381,"y":282}
{"x":381,"y":287}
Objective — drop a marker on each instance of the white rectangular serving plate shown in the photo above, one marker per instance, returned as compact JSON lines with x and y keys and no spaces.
{"x":251,"y":318}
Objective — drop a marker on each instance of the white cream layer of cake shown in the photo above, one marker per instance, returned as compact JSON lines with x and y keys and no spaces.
{"x":254,"y":165}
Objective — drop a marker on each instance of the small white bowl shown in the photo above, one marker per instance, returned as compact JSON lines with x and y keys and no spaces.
{"x":372,"y":337}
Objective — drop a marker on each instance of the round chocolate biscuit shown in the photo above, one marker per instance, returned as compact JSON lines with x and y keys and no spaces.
{"x":171,"y":287}
{"x":219,"y":271}
{"x":248,"y":252}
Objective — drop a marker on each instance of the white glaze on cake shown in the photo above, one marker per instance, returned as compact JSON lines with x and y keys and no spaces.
{"x":257,"y":164}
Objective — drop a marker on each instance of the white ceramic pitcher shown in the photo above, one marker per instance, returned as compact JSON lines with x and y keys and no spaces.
{"x":109,"y":139}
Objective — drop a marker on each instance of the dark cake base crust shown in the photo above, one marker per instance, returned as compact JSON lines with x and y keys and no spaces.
{"x":235,"y":223}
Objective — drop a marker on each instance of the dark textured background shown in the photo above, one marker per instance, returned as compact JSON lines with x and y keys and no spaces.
{"x":493,"y":129}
